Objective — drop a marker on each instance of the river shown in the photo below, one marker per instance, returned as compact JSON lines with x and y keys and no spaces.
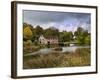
{"x":50,"y":50}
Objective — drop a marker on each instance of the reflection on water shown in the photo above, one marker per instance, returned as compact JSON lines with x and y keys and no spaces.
{"x":73,"y":48}
{"x":64,"y":49}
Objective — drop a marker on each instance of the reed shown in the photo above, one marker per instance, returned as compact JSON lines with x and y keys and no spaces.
{"x":81,"y":57}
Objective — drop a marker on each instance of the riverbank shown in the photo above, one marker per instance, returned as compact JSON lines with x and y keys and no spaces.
{"x":81,"y":57}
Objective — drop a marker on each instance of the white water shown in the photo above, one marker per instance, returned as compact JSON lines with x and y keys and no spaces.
{"x":73,"y":48}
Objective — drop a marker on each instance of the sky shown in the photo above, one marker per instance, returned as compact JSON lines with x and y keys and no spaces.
{"x":64,"y":21}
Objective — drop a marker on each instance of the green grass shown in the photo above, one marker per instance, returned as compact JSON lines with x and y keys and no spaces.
{"x":81,"y":57}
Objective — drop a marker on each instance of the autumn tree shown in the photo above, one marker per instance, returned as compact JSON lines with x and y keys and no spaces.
{"x":27,"y":33}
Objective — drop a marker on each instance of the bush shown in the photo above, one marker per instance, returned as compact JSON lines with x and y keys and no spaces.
{"x":28,"y":47}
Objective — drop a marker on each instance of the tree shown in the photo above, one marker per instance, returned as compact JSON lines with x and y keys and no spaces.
{"x":88,"y":40}
{"x":27,"y":25}
{"x":65,"y":36}
{"x":27,"y":33}
{"x":70,"y":36}
{"x":36,"y":33}
{"x":51,"y":32}
{"x":82,"y":36}
{"x":38,"y":30}
{"x":78,"y":32}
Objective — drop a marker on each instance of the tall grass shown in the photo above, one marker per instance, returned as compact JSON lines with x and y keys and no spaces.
{"x":81,"y":57}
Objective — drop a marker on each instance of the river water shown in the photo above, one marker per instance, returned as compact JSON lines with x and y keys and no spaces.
{"x":73,"y":48}
{"x":64,"y":49}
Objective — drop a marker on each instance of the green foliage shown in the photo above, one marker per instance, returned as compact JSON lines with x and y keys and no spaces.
{"x":38,"y":30}
{"x":31,"y":37}
{"x":51,"y":32}
{"x":28,"y":43}
{"x":82,"y":36}
{"x":65,"y":36}
{"x":88,"y":40}
{"x":28,"y":47}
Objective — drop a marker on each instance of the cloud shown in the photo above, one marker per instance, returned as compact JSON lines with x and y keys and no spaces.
{"x":62,"y":20}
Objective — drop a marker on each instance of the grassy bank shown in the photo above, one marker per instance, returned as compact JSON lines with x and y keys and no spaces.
{"x":81,"y":57}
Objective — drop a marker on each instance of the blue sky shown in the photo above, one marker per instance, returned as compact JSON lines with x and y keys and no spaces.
{"x":62,"y":20}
